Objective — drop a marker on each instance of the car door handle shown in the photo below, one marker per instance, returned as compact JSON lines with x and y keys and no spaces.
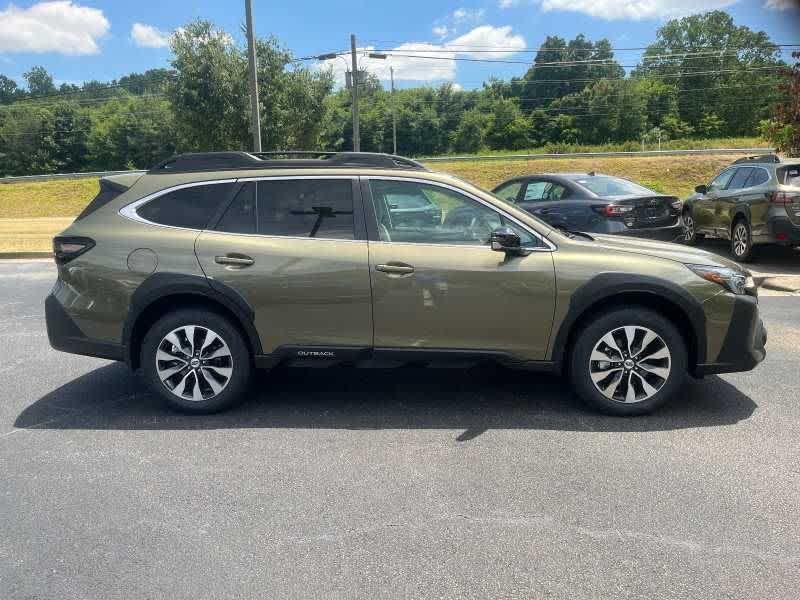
{"x":236,"y":260}
{"x":395,"y":268}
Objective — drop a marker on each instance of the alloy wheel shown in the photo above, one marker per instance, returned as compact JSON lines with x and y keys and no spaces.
{"x":630,"y":364}
{"x":194,"y":363}
{"x":740,"y":239}
{"x":688,"y":227}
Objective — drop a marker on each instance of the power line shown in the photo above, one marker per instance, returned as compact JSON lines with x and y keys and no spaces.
{"x":492,"y":48}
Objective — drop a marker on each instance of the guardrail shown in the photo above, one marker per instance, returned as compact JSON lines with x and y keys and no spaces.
{"x":599,"y":154}
{"x":98,"y":174}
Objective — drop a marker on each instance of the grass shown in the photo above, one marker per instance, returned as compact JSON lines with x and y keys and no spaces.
{"x":32,"y":213}
{"x":676,"y":175}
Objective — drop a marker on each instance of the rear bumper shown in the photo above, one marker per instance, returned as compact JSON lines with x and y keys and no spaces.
{"x":673,"y":233}
{"x":745,"y":343}
{"x":783,"y":231}
{"x":66,"y":336}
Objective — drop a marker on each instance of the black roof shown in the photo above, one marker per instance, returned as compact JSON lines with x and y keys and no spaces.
{"x":293,"y":159}
{"x":761,"y":158}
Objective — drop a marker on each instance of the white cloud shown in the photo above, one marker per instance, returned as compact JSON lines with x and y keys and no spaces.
{"x":635,"y":10}
{"x":59,"y":26}
{"x":781,"y":4}
{"x":441,"y":31}
{"x":508,"y":3}
{"x":147,"y":36}
{"x":432,"y":62}
{"x":468,"y":15}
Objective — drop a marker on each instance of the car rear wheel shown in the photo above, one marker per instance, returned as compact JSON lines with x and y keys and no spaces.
{"x":196,"y":360}
{"x":741,"y":241}
{"x":628,"y":362}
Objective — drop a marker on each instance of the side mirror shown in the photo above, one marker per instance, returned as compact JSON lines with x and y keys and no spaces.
{"x":701,"y":189}
{"x":505,"y":239}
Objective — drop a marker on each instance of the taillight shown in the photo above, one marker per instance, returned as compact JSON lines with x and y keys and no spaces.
{"x":617,"y":210}
{"x":784,"y":198}
{"x":67,"y":248}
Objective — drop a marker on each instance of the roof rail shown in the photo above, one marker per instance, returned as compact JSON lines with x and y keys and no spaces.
{"x":761,"y":158}
{"x":289,"y":159}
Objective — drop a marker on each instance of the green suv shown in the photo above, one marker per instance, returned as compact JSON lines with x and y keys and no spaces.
{"x":754,"y":201}
{"x":211,"y":265}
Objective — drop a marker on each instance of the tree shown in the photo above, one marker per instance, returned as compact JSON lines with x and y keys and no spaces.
{"x":40,"y":82}
{"x":783,"y":130}
{"x":469,"y":135}
{"x":710,"y":125}
{"x":9,"y":91}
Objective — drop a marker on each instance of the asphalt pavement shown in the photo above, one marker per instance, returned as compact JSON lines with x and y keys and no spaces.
{"x":337,"y":483}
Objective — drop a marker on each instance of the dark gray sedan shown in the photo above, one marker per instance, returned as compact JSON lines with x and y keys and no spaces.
{"x":596,"y":203}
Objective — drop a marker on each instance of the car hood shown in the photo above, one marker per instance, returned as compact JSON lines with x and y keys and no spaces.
{"x":677,"y":252}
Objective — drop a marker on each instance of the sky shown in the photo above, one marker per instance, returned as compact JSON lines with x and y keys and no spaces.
{"x":80,"y":40}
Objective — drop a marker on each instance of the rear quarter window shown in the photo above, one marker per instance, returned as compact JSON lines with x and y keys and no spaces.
{"x":191,"y":207}
{"x":790,"y":175}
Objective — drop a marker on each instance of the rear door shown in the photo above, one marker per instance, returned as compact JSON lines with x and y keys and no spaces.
{"x":296,"y":250}
{"x":556,"y":204}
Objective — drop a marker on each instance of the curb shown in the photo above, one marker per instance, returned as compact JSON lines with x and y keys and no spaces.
{"x":780,"y":283}
{"x":19,"y":255}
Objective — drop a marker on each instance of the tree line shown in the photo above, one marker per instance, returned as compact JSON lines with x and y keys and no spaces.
{"x":702,"y":77}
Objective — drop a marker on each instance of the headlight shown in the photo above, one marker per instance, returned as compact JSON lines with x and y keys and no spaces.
{"x":732,"y":280}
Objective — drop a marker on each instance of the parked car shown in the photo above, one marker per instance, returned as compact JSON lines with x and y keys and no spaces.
{"x":210,"y":265}
{"x":596,"y":203}
{"x":754,"y":201}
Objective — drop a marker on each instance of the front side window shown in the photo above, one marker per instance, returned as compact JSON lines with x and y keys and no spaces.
{"x":509,"y":191}
{"x":190,"y":207}
{"x":721,"y":180}
{"x":456,"y":219}
{"x":315,"y":208}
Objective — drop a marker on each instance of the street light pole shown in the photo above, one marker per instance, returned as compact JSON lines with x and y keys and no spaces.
{"x":255,"y":117}
{"x":356,"y":132}
{"x":394,"y":113}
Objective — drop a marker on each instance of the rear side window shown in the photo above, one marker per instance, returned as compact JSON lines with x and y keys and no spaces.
{"x":757,"y":177}
{"x":190,"y":207}
{"x":739,"y":178}
{"x":107,"y":193}
{"x":316,"y":208}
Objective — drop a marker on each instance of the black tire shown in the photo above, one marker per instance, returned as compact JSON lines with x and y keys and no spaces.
{"x":233,"y":389}
{"x":741,"y":240}
{"x":580,"y":366}
{"x":690,"y":229}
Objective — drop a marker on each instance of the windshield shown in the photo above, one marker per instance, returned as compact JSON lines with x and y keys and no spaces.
{"x":605,"y":186}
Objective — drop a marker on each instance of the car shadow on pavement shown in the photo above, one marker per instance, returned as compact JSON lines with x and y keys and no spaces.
{"x":472,"y":401}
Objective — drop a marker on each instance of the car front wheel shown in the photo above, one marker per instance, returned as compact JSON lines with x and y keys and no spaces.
{"x":628,"y":362}
{"x":196,"y":360}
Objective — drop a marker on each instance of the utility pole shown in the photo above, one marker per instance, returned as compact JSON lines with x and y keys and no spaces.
{"x":356,"y":132}
{"x":255,"y":117}
{"x":394,"y":113}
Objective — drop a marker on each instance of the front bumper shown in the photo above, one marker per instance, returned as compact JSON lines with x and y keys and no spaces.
{"x":66,"y":336}
{"x":745,"y":343}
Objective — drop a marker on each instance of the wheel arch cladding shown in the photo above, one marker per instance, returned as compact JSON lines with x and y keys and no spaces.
{"x":164,"y":292}
{"x":608,"y":291}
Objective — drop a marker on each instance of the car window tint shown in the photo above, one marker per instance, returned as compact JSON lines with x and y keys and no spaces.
{"x":739,"y":178}
{"x":757,"y":177}
{"x":509,"y":191}
{"x":240,"y":216}
{"x":535,"y":190}
{"x":320,"y":208}
{"x":190,"y":207}
{"x":453,"y":218}
{"x":721,"y":180}
{"x":791,"y":176}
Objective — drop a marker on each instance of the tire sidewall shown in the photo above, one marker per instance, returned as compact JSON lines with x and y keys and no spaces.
{"x":693,"y":240}
{"x":597,"y":328}
{"x":233,"y":393}
{"x":749,"y":250}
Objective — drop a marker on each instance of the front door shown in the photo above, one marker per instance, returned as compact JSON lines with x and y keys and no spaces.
{"x":296,"y":250}
{"x":439,"y":286}
{"x":705,"y":207}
